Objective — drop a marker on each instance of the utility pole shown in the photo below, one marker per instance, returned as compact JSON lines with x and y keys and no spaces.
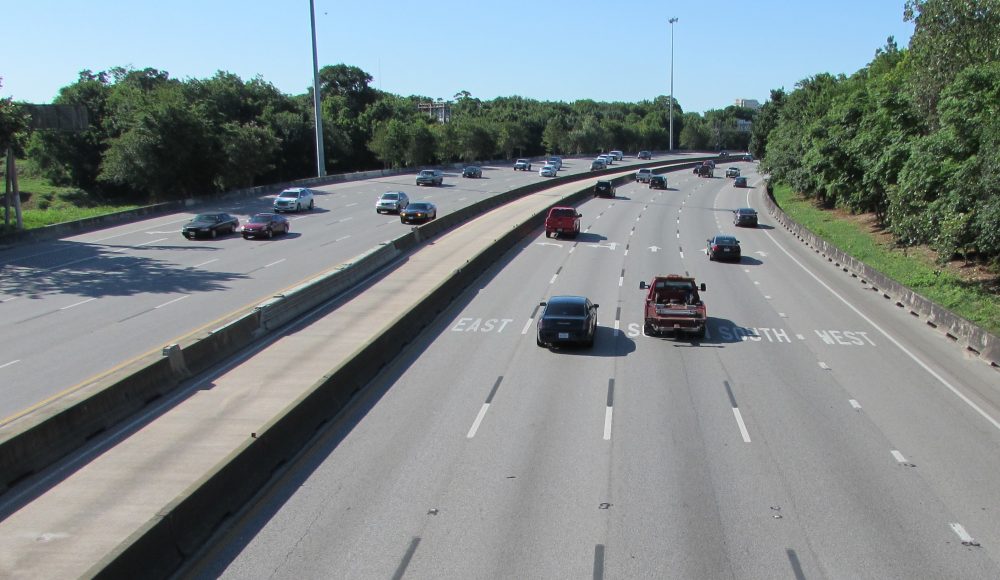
{"x":320,"y":160}
{"x":672,"y":20}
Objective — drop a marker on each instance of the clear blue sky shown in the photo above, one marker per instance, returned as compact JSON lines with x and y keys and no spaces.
{"x":557,"y":50}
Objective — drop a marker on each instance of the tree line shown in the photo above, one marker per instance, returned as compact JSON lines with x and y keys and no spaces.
{"x":154,"y":137}
{"x":913,"y":137}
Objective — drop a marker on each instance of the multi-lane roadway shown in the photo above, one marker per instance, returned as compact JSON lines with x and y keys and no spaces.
{"x":817,"y":431}
{"x":72,"y":309}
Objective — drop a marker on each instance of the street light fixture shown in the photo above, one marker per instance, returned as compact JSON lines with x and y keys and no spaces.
{"x":672,"y":20}
{"x":320,"y":161}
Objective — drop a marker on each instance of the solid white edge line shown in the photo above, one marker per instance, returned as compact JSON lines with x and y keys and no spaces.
{"x":275,"y":263}
{"x":204,"y":263}
{"x":527,"y":325}
{"x":897,"y":456}
{"x":607,"y":423}
{"x":884,"y":333}
{"x":479,"y":419}
{"x":743,"y":427}
{"x":13,"y":362}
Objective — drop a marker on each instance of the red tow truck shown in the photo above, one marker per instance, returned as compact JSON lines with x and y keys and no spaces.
{"x":674,"y":305}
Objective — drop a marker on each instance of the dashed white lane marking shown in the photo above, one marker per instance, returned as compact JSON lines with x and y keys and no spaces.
{"x":275,"y":263}
{"x":78,"y":303}
{"x":342,"y":238}
{"x":823,"y":366}
{"x":899,"y":345}
{"x":626,"y":251}
{"x":351,"y":204}
{"x":854,"y":404}
{"x":527,"y":325}
{"x":149,"y":242}
{"x":13,"y":362}
{"x":767,"y":297}
{"x":682,"y":255}
{"x":678,"y":235}
{"x":479,"y":419}
{"x":607,"y":423}
{"x":898,"y":456}
{"x":571,"y":249}
{"x":553,"y":280}
{"x":800,"y":336}
{"x":346,"y":219}
{"x":782,"y":315}
{"x":743,"y":427}
{"x":962,"y":534}
{"x":756,"y":283}
{"x":617,"y":326}
{"x":621,"y":280}
{"x":205,"y":263}
{"x":171,"y":302}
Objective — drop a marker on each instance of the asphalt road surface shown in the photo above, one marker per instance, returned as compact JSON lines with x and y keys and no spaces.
{"x":818,"y":431}
{"x":75,"y":308}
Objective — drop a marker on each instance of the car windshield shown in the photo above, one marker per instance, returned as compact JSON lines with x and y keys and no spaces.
{"x":565,"y":309}
{"x":419,"y":206}
{"x":291,"y":194}
{"x":206,"y":217}
{"x":563,"y":213}
{"x":427,"y":173}
{"x":390,"y":196}
{"x":260,"y":219}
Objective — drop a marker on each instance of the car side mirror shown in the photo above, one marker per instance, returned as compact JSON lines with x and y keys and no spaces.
{"x":579,"y":215}
{"x":702,"y":286}
{"x":642,"y":285}
{"x":596,"y":306}
{"x":541,"y":304}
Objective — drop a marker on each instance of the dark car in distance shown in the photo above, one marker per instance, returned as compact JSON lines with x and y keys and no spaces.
{"x":265,"y":225}
{"x":740,"y":182}
{"x":418,"y":212}
{"x":658,"y":182}
{"x":210,"y":225}
{"x":604,"y":188}
{"x":645,"y":155}
{"x":567,"y":320}
{"x":472,"y":171}
{"x":723,"y":247}
{"x":745,"y":216}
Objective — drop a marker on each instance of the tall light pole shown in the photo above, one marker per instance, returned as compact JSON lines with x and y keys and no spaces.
{"x":320,"y":161}
{"x":672,"y":20}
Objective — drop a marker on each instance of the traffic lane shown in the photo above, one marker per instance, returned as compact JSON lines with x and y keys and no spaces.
{"x":491,"y":351}
{"x":917,"y":406}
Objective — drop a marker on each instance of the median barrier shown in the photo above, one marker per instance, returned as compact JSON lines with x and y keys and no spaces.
{"x":969,"y":335}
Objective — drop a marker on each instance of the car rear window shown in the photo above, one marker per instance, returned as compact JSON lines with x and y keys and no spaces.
{"x":390,"y":196}
{"x":565,"y":309}
{"x":564,"y":213}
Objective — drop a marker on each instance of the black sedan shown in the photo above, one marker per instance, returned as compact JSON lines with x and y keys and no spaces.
{"x":472,"y":171}
{"x":723,"y":247}
{"x":658,"y":182}
{"x":265,"y":225}
{"x":210,"y":225}
{"x":745,"y":216}
{"x":567,"y":320}
{"x":418,"y":212}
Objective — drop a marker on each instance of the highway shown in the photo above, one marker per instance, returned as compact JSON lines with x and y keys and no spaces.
{"x":818,"y":431}
{"x":74,"y":308}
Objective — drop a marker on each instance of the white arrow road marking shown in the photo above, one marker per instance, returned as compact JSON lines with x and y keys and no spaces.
{"x":654,"y":248}
{"x":548,"y":244}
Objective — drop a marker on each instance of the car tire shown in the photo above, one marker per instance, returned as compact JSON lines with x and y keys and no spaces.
{"x":700,"y":333}
{"x":270,"y":233}
{"x":539,"y":342}
{"x":311,"y":204}
{"x":215,"y":234}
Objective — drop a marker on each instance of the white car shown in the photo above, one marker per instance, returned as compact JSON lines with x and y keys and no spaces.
{"x":293,"y":199}
{"x":392,"y":202}
{"x":548,"y":171}
{"x":608,"y":159}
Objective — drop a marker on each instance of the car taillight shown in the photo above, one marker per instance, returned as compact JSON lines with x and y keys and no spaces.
{"x":715,"y":248}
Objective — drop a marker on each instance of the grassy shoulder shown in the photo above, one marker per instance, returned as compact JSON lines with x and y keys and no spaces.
{"x":915,"y":269}
{"x":44,"y":204}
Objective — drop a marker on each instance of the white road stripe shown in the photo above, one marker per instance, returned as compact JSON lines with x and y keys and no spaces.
{"x":172,"y":301}
{"x":823,"y":366}
{"x":13,"y":362}
{"x":553,"y":280}
{"x":621,"y":281}
{"x":854,"y":404}
{"x":342,"y":238}
{"x":149,"y":242}
{"x":571,"y":249}
{"x":78,"y":303}
{"x":962,"y":534}
{"x":351,"y":204}
{"x":884,"y":333}
{"x":527,"y":325}
{"x":607,"y":423}
{"x":275,"y":263}
{"x":204,"y":263}
{"x":743,"y":427}
{"x":479,"y":419}
{"x":897,"y":456}
{"x":682,"y":255}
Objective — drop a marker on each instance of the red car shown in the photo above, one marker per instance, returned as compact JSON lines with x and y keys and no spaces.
{"x":562,"y":221}
{"x":265,"y":225}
